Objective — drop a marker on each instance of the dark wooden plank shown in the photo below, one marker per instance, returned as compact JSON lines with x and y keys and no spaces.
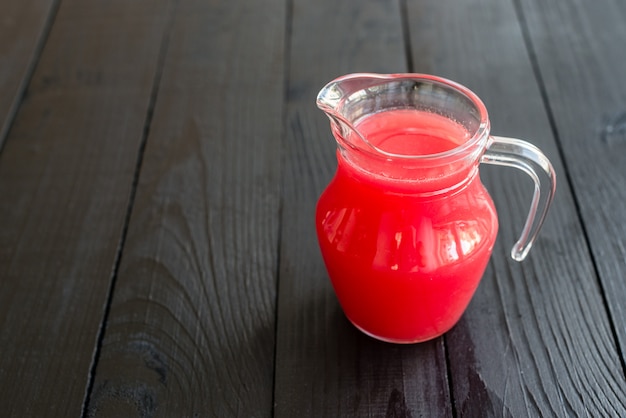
{"x":192,"y":323}
{"x":580,"y":54}
{"x":23,"y":29}
{"x":324,"y":366}
{"x":66,"y":173}
{"x":536,"y":340}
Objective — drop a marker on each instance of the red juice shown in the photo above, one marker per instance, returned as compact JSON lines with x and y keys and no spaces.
{"x":406,"y":241}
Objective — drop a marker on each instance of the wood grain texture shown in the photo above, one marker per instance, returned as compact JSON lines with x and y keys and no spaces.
{"x":324,"y":366}
{"x":536,"y":339}
{"x":580,"y":55}
{"x":66,"y":172}
{"x":192,"y":322}
{"x":23,"y":30}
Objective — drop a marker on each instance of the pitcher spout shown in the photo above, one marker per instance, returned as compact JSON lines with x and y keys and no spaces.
{"x":348,"y":99}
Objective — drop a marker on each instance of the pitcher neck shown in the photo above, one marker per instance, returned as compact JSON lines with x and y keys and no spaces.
{"x":439,"y":175}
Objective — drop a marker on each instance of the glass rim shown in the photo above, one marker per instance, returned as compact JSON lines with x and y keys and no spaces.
{"x":481,"y":133}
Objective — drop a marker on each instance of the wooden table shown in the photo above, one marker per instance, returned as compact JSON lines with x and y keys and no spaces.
{"x":159,"y":169}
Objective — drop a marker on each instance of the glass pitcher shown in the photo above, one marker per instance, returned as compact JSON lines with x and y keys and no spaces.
{"x":406,"y":227}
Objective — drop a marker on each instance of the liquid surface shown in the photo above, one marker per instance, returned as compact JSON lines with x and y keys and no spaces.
{"x":411,"y":132}
{"x":404,"y":267}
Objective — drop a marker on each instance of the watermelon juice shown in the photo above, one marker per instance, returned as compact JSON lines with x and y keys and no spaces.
{"x":406,"y":230}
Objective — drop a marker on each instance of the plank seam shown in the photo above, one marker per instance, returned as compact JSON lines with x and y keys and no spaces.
{"x":406,"y":35}
{"x":532,"y":55}
{"x":30,"y":71}
{"x":163,"y":48}
{"x":286,"y":68}
{"x":449,"y":376}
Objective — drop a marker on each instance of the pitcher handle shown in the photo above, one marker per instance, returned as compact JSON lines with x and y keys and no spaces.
{"x":528,"y":158}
